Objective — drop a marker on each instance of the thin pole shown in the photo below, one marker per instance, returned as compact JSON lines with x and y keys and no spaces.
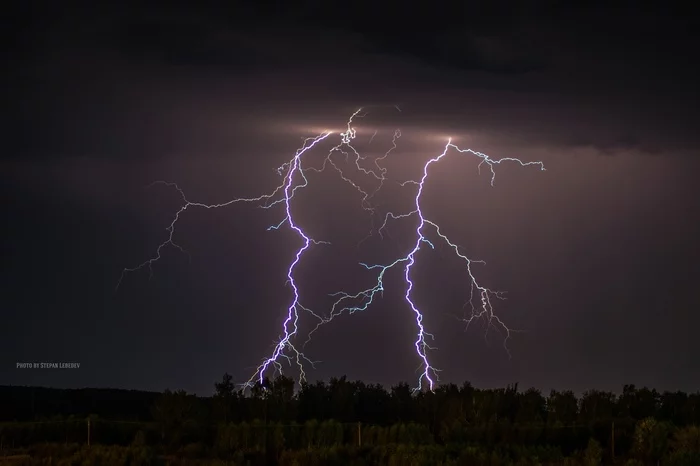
{"x":88,"y":429}
{"x":612,"y":441}
{"x":359,"y":434}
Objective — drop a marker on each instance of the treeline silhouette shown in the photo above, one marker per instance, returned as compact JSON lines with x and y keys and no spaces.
{"x":272,"y":421}
{"x":39,"y":403}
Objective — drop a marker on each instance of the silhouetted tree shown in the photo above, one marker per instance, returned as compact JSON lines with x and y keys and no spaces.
{"x":401,"y":403}
{"x":637,"y":403}
{"x":532,"y":407}
{"x":224,"y":397}
{"x":672,"y":408}
{"x":596,"y":405}
{"x":179,"y":415}
{"x":562,"y":407}
{"x":280,"y":400}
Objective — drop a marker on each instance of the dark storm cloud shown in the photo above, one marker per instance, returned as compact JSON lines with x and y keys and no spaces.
{"x":108,"y":76}
{"x":511,"y":54}
{"x":290,"y":36}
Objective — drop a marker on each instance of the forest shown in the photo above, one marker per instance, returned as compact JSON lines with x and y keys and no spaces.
{"x":342,"y":422}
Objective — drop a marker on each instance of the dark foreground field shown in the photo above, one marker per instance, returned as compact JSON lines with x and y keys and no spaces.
{"x":391,"y":454}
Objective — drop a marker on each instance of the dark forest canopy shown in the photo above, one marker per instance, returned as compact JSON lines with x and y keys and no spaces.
{"x":358,"y":423}
{"x":354,"y":401}
{"x":34,"y":403}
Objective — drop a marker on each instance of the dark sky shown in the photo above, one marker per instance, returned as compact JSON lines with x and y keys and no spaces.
{"x":598,"y":254}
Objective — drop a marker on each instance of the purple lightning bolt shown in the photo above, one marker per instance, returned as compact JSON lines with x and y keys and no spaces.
{"x":293,"y":311}
{"x":366,"y":297}
{"x":420,"y":344}
{"x":287,"y":190}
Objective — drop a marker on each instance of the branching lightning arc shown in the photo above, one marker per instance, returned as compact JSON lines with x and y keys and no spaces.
{"x":294,"y":171}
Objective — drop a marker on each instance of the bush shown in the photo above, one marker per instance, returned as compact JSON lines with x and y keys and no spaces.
{"x":593,"y":455}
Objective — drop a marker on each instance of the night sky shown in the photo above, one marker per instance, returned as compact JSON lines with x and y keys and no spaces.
{"x":599,"y":254}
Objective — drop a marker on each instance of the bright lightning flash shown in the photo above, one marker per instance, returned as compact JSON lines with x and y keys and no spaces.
{"x":295,"y":178}
{"x":429,"y":373}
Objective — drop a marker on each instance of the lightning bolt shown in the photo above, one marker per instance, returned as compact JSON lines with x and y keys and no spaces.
{"x":421,"y":344}
{"x":295,"y":178}
{"x":283,"y":194}
{"x":366,"y":297}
